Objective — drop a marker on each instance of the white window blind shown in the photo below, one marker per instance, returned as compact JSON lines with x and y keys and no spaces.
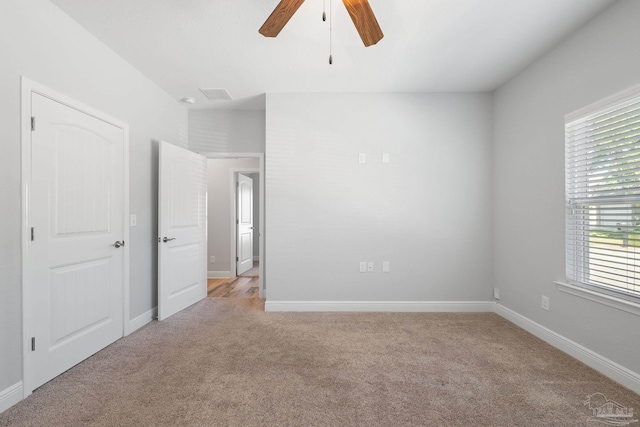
{"x":602,"y":165}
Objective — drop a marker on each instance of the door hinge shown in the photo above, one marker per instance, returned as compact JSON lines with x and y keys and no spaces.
{"x":237,"y":221}
{"x":237,"y":259}
{"x":33,"y":123}
{"x":33,"y":343}
{"x":33,"y":234}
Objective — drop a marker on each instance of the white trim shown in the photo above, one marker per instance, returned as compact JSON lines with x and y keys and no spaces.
{"x":27,"y":88}
{"x":590,"y":358}
{"x":386,"y":306}
{"x":214,"y":155}
{"x":622,"y":96}
{"x":219,"y":275}
{"x":137,"y":323}
{"x":126,"y":288}
{"x":10,"y":396}
{"x":599,"y":297}
{"x":26,"y":215}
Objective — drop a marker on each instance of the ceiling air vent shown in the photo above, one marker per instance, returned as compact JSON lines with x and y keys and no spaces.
{"x":216,"y":94}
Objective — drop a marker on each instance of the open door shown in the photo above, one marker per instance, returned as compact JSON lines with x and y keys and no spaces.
{"x":182,"y":231}
{"x":244,"y":239}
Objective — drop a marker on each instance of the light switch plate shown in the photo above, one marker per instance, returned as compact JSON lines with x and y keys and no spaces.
{"x":385,"y":157}
{"x":385,"y":266}
{"x":370,"y":266}
{"x":363,"y":267}
{"x":133,"y":220}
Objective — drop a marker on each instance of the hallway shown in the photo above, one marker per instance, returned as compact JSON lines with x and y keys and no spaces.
{"x":245,"y":285}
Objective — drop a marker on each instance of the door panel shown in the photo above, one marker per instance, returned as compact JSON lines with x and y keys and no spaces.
{"x":182,"y":214}
{"x":77,"y":210}
{"x":80,"y":189}
{"x":80,"y":296}
{"x":184,"y":268}
{"x":244,"y":239}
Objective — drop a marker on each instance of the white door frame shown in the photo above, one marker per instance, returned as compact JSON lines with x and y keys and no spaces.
{"x":29,"y":87}
{"x":261,"y":222}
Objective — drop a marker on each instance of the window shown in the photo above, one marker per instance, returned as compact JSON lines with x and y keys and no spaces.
{"x":602,"y":187}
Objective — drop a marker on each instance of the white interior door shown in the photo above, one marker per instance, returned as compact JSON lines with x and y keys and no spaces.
{"x":182,"y":219}
{"x":244,"y":238}
{"x":75,"y":268}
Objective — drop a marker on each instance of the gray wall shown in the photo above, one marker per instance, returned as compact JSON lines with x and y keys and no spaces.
{"x":227,"y":131}
{"x":599,"y":60}
{"x":428,"y":212}
{"x":45,"y":45}
{"x":220,"y":209}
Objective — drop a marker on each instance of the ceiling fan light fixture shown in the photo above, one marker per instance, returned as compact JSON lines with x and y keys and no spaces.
{"x":364,"y":20}
{"x":359,"y":10}
{"x":279,"y":17}
{"x":188,"y":100}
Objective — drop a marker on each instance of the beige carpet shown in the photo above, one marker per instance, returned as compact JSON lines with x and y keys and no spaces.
{"x":220,"y":363}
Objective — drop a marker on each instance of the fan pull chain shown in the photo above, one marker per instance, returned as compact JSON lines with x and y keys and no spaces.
{"x":330,"y":32}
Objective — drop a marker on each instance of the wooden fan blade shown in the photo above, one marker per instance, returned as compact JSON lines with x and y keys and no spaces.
{"x":364,"y":20}
{"x":279,"y":17}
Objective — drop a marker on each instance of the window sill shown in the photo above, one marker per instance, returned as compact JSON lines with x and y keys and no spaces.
{"x":601,"y":298}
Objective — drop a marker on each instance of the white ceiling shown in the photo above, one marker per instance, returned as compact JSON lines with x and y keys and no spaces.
{"x":429,"y":45}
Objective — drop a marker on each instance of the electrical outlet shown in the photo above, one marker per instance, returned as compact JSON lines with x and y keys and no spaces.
{"x":212,"y":259}
{"x":370,"y":266}
{"x":363,"y":266}
{"x":133,"y":220}
{"x":496,"y":293}
{"x":545,"y":303}
{"x":362,"y":158}
{"x":385,"y":266}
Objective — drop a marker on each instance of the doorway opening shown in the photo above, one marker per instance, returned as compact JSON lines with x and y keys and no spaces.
{"x":235,"y":226}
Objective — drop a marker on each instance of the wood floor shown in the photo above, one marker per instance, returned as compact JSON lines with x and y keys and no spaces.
{"x":238,"y":287}
{"x":243,"y":286}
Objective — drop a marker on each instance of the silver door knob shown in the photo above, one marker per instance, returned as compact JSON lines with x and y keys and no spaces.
{"x":118,"y":243}
{"x":166,"y":239}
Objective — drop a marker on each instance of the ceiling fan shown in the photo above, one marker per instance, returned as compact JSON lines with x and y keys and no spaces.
{"x":359,"y":10}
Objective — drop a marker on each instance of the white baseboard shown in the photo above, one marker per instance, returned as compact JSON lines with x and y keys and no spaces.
{"x":140,"y":321}
{"x":219,"y":274}
{"x":10,"y":396}
{"x":590,"y":358}
{"x":390,"y":306}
